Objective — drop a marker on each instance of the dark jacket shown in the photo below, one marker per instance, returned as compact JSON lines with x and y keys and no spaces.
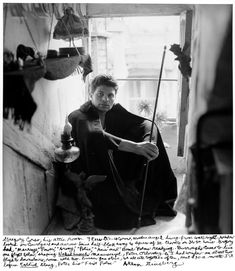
{"x":116,"y":201}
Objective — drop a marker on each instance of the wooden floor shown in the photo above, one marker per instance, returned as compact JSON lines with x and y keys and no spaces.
{"x":164,"y":225}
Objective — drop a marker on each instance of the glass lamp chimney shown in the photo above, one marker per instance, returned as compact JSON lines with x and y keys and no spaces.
{"x":67,"y":153}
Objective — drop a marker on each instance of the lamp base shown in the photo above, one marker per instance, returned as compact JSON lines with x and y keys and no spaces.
{"x":67,"y":155}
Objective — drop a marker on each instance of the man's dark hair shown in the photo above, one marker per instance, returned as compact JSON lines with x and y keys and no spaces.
{"x":103,"y":79}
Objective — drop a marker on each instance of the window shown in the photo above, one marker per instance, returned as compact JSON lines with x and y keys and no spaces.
{"x":130,"y":49}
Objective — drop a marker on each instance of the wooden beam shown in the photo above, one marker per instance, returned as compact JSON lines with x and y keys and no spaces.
{"x":186,"y":31}
{"x":32,"y":145}
{"x":183,"y":120}
{"x":122,"y":10}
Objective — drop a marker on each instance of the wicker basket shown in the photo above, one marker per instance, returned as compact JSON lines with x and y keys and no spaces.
{"x":61,"y":67}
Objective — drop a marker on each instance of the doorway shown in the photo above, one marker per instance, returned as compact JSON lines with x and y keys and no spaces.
{"x":130,"y":49}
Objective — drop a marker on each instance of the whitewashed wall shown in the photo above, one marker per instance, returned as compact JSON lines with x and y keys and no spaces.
{"x":209,"y":30}
{"x":210,"y":23}
{"x":29,"y":185}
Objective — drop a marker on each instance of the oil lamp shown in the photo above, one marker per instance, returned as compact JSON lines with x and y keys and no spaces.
{"x":67,"y":153}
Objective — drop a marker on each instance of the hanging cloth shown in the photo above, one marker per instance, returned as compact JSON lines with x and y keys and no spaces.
{"x":17,"y":98}
{"x":70,"y":26}
{"x":19,"y":82}
{"x":86,"y":64}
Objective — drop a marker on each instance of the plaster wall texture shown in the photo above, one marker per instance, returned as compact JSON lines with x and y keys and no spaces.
{"x":209,"y":30}
{"x":29,"y":182}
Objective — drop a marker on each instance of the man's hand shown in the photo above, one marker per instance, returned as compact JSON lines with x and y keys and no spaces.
{"x":146,"y":149}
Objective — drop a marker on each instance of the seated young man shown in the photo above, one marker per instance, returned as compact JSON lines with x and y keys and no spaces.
{"x":115,"y":143}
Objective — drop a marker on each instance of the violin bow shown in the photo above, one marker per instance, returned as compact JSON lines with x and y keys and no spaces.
{"x":151,"y":132}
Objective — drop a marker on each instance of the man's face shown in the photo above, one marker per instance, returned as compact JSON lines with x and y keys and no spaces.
{"x":103,"y":98}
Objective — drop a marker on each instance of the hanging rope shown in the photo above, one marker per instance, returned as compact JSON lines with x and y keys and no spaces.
{"x":30,"y":33}
{"x":52,"y":15}
{"x":82,"y":16}
{"x":70,"y":36}
{"x":71,"y":40}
